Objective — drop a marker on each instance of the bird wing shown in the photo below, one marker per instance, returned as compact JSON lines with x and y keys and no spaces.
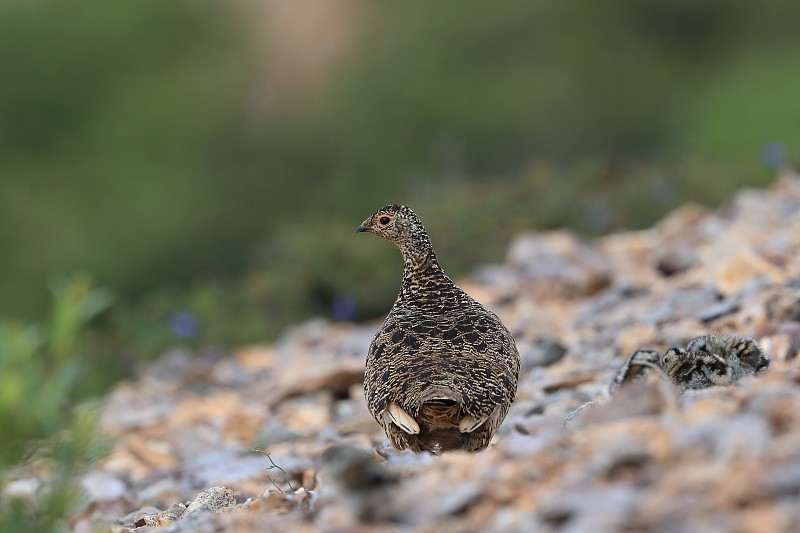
{"x":404,"y":362}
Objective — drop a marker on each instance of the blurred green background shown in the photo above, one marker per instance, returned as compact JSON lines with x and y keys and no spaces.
{"x":207,"y":161}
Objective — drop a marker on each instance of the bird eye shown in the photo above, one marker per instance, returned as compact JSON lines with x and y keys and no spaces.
{"x":385,"y":220}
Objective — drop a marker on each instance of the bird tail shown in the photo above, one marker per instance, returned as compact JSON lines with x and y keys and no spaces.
{"x":441,"y":395}
{"x":440,"y":408}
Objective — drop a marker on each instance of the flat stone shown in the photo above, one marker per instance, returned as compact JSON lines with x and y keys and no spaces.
{"x":738,"y":270}
{"x":561,"y":260}
{"x":544,"y":351}
{"x":103,"y":487}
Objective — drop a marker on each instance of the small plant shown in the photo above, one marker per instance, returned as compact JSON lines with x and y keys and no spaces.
{"x":272,"y":466}
{"x":40,"y":370}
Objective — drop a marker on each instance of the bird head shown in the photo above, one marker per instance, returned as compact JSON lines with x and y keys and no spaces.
{"x":399,"y":224}
{"x":396,"y":223}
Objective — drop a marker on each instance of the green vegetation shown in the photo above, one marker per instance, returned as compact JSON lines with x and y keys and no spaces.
{"x":130,"y":147}
{"x":134,"y":146}
{"x":43,"y":409}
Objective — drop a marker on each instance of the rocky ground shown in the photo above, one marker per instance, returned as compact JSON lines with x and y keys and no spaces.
{"x":569,"y":457}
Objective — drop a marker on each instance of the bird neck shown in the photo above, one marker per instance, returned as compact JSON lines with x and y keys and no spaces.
{"x":421,"y":271}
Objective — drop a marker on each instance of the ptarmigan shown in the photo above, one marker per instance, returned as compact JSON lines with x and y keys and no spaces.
{"x":705,"y":362}
{"x":714,"y":360}
{"x":442,"y":370}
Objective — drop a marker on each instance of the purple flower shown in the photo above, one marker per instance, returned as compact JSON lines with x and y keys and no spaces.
{"x":343,"y":307}
{"x":184,"y":324}
{"x":774,"y":154}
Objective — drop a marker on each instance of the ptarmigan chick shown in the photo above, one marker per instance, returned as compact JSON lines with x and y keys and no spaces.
{"x":705,"y":362}
{"x":442,"y":370}
{"x":639,"y":364}
{"x":713,"y":360}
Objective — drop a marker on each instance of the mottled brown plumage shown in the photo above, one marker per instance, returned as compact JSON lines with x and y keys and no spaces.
{"x":714,"y":360}
{"x":639,"y":364}
{"x":442,"y":370}
{"x":705,"y":362}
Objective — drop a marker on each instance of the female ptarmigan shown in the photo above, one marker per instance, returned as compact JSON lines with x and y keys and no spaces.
{"x":442,"y":370}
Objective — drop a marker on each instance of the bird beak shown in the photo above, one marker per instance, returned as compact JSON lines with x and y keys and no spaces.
{"x":361,"y":229}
